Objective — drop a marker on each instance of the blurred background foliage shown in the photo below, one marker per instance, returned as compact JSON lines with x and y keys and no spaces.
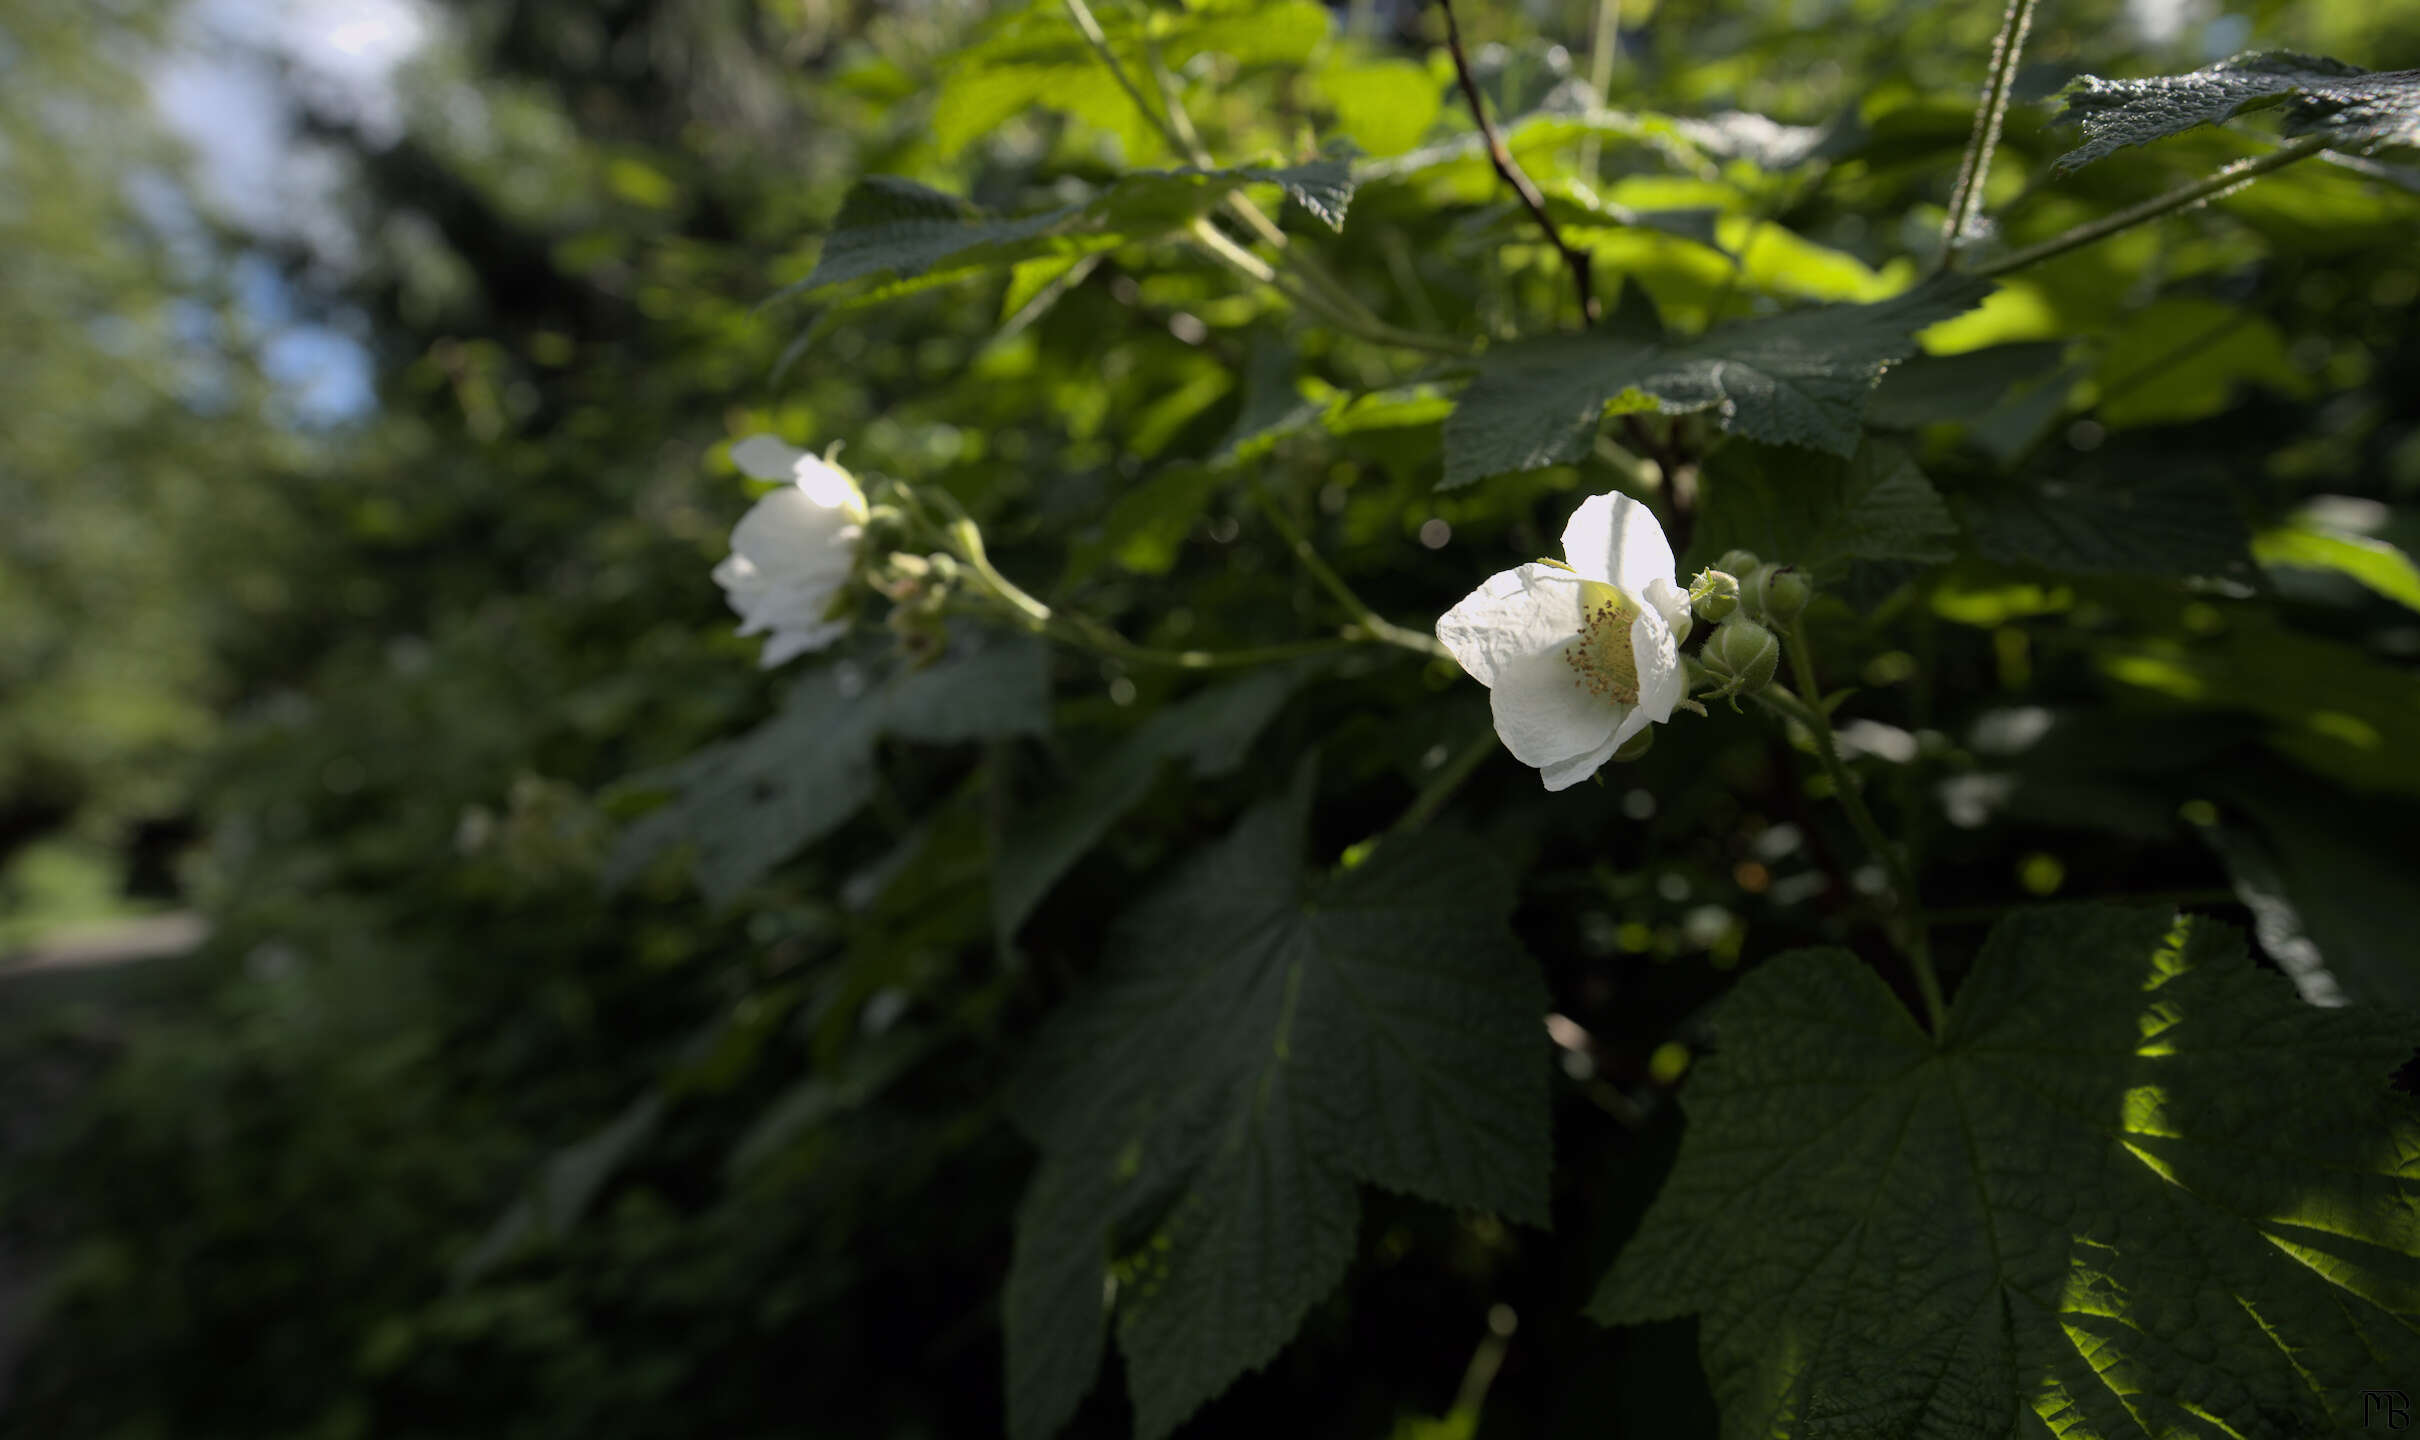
{"x":357,"y":547}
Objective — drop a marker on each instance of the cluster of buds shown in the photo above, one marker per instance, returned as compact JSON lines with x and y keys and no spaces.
{"x":1746,"y":599}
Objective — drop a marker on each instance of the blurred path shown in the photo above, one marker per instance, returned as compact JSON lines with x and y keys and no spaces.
{"x":151,"y":937}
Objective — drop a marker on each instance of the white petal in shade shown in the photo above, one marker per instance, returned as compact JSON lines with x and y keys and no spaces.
{"x":1658,"y":657}
{"x":1542,"y":714}
{"x":1514,"y":615}
{"x":787,"y":645}
{"x":1564,"y":774}
{"x":767,"y":458}
{"x":1669,"y":598}
{"x":1615,"y":539}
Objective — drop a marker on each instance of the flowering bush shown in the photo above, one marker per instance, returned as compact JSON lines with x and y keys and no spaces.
{"x":1120,"y":921}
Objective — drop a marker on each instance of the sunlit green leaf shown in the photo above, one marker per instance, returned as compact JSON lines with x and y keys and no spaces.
{"x":2137,"y":1189}
{"x":2357,"y":110}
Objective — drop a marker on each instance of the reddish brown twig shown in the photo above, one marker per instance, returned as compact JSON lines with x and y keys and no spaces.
{"x":1511,"y":170}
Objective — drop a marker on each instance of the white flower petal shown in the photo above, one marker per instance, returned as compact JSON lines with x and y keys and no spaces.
{"x":1515,"y":614}
{"x":787,"y":645}
{"x":1658,"y":657}
{"x":1615,"y":539}
{"x":1542,"y":714}
{"x":1564,"y":774}
{"x":1668,"y":598}
{"x":767,"y":457}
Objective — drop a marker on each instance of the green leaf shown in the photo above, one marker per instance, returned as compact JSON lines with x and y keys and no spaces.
{"x":1212,"y":730}
{"x":1799,"y":378}
{"x":896,"y":228}
{"x":2183,"y":359}
{"x":2328,"y":880}
{"x":2357,"y":110}
{"x":2309,"y":542}
{"x":1958,"y":389}
{"x":749,"y":803}
{"x":1035,"y":57}
{"x":1256,"y":1047}
{"x":2097,"y":522}
{"x":1820,"y":513}
{"x":2137,"y":1190}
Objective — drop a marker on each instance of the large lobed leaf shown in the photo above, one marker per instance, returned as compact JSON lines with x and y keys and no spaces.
{"x":749,"y":803}
{"x":2138,"y":1189}
{"x":2357,"y":110}
{"x":1256,"y":1048}
{"x":1799,"y":378}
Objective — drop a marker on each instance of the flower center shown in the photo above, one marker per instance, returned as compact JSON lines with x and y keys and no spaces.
{"x":1606,"y":664}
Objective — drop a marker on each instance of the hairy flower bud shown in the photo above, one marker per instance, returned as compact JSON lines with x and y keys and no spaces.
{"x":1715,"y":594}
{"x":1780,"y":592}
{"x":1743,"y":655}
{"x":1738,"y":562}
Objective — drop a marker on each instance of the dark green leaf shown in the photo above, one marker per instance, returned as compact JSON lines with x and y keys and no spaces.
{"x":1211,"y":731}
{"x":1957,"y":389}
{"x":2097,"y":522}
{"x":1257,"y":1046}
{"x":750,"y":803}
{"x":1821,"y":513}
{"x":1800,"y":378}
{"x":2358,"y":110}
{"x":2138,"y":1189}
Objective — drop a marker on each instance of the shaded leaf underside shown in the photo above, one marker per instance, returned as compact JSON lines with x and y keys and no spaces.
{"x":1207,"y":1110}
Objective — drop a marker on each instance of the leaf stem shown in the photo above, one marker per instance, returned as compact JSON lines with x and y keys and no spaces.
{"x":1215,"y":243}
{"x":1908,"y":915}
{"x":1510,"y":169}
{"x":2209,"y":187}
{"x":1442,"y":785}
{"x":1318,"y":290}
{"x":1604,"y":44}
{"x":1966,"y":196}
{"x":1365,"y":619}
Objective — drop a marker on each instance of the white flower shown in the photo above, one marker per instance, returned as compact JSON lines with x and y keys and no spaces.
{"x":1578,"y":659}
{"x":792,"y":553}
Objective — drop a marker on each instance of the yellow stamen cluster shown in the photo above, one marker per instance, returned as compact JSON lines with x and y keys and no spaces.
{"x":1604,"y":661}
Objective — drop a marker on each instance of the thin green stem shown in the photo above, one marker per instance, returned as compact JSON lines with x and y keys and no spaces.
{"x":2209,"y":187}
{"x":1966,"y":196}
{"x":1908,"y":915}
{"x":1089,"y":26}
{"x":1442,"y":785}
{"x":1214,"y":243}
{"x":1604,"y":42}
{"x":1086,"y":633}
{"x":1365,"y":619}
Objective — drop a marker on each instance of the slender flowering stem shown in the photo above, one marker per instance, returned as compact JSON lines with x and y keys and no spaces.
{"x":2209,"y":187}
{"x":1510,"y":169}
{"x":1908,"y":917}
{"x":1366,"y":620}
{"x":1966,"y":197}
{"x":1604,"y":42}
{"x":1315,"y":289}
{"x":1442,"y":785}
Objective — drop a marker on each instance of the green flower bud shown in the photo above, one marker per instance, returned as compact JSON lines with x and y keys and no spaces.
{"x":1743,"y":655}
{"x":1636,"y":745}
{"x":1780,"y":592}
{"x":1714,"y":594}
{"x":1738,"y":562}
